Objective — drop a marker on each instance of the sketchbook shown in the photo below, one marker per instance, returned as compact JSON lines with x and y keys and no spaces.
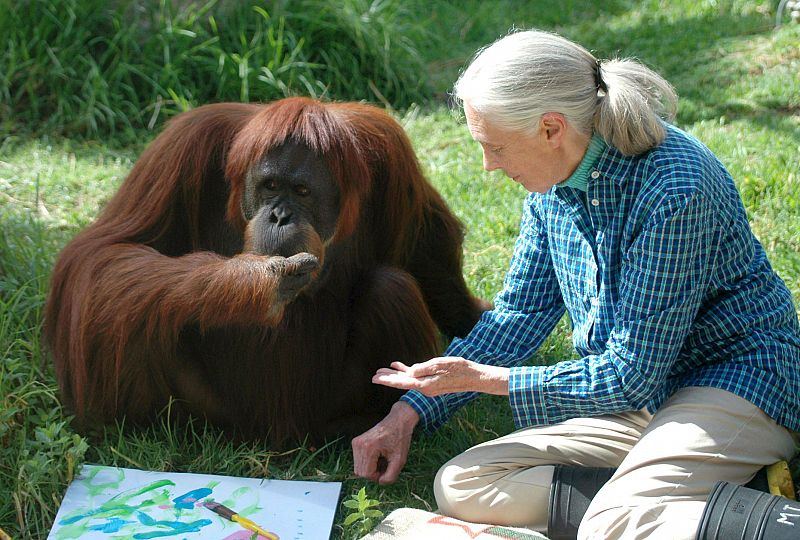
{"x":112,"y":503}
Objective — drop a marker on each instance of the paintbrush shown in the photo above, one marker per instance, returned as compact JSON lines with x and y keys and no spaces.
{"x":229,"y":514}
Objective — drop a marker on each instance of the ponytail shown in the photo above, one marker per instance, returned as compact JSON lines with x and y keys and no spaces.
{"x":520,"y":77}
{"x":629,"y":115}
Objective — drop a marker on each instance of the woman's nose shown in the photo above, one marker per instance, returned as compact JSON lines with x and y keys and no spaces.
{"x":489,"y":163}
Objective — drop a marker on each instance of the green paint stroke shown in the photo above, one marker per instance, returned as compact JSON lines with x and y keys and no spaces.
{"x":115,"y":507}
{"x":69,"y":532}
{"x":236,"y":496}
{"x":168,"y":528}
{"x":240,"y":492}
{"x":97,"y":489}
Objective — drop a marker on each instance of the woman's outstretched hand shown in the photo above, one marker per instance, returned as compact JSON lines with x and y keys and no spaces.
{"x":445,"y":375}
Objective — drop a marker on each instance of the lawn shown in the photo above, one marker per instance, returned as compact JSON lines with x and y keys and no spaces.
{"x":740,"y":93}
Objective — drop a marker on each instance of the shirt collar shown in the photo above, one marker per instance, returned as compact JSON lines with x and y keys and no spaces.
{"x":580,"y":177}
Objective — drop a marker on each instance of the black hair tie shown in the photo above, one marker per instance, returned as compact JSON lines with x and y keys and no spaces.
{"x":599,"y":83}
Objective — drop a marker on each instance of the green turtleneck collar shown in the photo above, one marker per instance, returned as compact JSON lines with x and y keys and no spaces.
{"x":580,"y":177}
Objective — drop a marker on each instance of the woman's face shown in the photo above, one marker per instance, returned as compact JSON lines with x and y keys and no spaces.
{"x":531,"y":160}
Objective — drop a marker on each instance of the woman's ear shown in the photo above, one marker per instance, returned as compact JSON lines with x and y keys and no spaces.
{"x":554,"y":127}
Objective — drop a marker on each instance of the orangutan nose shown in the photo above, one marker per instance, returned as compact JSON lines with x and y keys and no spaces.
{"x":280,"y":216}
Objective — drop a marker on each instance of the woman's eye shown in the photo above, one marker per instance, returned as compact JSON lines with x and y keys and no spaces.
{"x":302,"y":190}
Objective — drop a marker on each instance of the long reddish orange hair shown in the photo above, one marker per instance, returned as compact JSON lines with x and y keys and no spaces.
{"x":166,"y":251}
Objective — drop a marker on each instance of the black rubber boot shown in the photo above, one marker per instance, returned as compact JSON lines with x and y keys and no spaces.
{"x":572,"y":490}
{"x":739,"y":512}
{"x":760,"y":482}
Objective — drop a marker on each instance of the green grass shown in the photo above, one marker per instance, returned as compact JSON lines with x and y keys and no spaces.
{"x":740,"y":94}
{"x":95,"y":68}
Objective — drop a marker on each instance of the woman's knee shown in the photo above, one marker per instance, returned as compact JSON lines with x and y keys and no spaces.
{"x":449,"y":489}
{"x":489,"y":493}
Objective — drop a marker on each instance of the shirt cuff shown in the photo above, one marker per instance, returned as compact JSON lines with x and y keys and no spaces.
{"x":435,"y":411}
{"x":432,"y":411}
{"x":526,"y":395}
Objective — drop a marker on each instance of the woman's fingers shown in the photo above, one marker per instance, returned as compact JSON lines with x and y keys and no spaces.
{"x":395,"y":379}
{"x":434,"y":377}
{"x":399,"y":366}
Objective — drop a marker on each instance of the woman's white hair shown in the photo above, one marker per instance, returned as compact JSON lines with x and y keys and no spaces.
{"x":523,"y":75}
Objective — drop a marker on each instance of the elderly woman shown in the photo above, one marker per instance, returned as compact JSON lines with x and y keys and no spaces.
{"x":688,"y":347}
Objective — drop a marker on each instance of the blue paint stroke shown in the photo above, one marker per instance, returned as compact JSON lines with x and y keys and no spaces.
{"x":175,"y":527}
{"x":111,"y":526}
{"x":144,"y":519}
{"x":107,"y":507}
{"x":117,"y":503}
{"x":187,"y":500}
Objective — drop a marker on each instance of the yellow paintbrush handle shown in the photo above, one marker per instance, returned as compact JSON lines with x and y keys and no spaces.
{"x":250,"y":526}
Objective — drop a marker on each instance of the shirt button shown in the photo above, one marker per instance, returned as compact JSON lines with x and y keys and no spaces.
{"x":595,"y":174}
{"x":595,"y":202}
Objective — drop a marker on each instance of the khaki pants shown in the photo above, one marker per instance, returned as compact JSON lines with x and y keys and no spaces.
{"x":667,"y":464}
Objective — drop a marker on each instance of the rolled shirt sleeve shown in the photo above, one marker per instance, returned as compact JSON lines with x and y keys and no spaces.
{"x":666,"y":286}
{"x":526,"y":311}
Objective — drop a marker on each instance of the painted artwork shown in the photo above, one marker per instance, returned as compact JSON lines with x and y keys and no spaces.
{"x":111,"y":503}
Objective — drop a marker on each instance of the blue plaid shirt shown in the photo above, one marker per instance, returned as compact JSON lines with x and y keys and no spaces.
{"x":664,"y":283}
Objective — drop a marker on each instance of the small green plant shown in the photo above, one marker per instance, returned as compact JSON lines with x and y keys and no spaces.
{"x":364,"y":513}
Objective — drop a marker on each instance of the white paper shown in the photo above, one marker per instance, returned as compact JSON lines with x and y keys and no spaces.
{"x":111,"y":503}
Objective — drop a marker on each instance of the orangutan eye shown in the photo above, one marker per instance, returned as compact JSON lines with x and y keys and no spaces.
{"x":302,"y":190}
{"x":270,"y":184}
